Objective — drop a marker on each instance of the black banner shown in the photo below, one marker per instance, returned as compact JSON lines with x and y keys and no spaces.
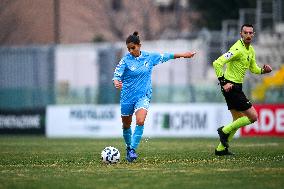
{"x":24,"y":121}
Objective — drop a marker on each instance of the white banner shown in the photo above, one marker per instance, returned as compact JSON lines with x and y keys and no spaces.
{"x":163,"y":120}
{"x":83,"y":121}
{"x":186,"y":120}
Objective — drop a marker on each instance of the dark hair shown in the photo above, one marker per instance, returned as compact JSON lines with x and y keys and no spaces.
{"x":246,"y":25}
{"x":134,"y":38}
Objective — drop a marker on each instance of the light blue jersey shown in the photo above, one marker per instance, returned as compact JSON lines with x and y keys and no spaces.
{"x":135,"y":74}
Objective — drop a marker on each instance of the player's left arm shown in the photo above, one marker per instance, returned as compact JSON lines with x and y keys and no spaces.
{"x":161,"y":58}
{"x":254,"y":68}
{"x":184,"y":55}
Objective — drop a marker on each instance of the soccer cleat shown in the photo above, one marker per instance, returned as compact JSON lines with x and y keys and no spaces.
{"x":223,"y":137}
{"x":225,"y":152}
{"x":127,"y":153}
{"x":130,"y":155}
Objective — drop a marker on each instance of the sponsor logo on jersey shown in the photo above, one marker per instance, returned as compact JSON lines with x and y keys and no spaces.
{"x":146,"y":102}
{"x":132,"y":68}
{"x":120,"y":62}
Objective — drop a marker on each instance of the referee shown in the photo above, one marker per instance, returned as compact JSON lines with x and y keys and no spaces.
{"x":238,"y":60}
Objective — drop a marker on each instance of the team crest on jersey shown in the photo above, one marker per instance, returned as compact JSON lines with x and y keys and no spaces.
{"x":228,"y":55}
{"x":146,"y":64}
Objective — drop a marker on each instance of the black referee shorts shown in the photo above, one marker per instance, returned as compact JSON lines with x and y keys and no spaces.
{"x":236,"y":99}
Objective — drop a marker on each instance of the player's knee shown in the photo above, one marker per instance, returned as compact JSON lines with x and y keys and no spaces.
{"x":140,"y":121}
{"x":253,"y":118}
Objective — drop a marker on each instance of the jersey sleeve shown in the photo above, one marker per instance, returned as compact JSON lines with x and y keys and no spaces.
{"x":119,"y":70}
{"x":161,"y":58}
{"x":254,"y":68}
{"x":218,"y":64}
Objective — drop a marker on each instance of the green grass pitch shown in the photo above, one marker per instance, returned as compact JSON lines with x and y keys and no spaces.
{"x":38,"y":162}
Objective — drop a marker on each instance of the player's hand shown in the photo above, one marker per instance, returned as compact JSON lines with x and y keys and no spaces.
{"x":266,"y":68}
{"x":117,"y":84}
{"x":189,"y":54}
{"x":227,"y":87}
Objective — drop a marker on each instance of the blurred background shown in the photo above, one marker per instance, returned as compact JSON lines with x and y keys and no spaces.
{"x":65,"y":51}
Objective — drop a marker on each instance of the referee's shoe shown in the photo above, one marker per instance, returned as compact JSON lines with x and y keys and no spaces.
{"x":225,"y":152}
{"x":223,"y":137}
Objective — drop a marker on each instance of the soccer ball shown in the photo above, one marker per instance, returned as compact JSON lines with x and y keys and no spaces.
{"x":110,"y":155}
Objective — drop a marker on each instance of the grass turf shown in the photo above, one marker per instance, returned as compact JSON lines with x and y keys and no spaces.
{"x":38,"y":162}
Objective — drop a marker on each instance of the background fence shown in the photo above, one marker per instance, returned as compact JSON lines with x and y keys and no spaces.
{"x":82,"y":74}
{"x":26,"y":77}
{"x":33,"y":77}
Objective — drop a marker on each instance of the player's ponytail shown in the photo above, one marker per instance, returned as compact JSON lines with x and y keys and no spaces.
{"x":134,"y":38}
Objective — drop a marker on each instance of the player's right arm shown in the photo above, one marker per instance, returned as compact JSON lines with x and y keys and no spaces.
{"x":224,"y":59}
{"x":117,"y":84}
{"x":117,"y":75}
{"x":219,"y":65}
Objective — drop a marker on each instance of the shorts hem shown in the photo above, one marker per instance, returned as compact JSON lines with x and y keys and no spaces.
{"x":126,"y":115}
{"x":240,"y":109}
{"x":140,"y":108}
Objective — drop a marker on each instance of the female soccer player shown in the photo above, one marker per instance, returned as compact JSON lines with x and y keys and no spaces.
{"x":133,"y":76}
{"x":238,"y":60}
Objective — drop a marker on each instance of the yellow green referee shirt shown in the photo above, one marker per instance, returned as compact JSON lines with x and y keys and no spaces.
{"x":238,"y":59}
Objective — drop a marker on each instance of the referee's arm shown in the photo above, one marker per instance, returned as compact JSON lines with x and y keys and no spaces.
{"x":254,"y":68}
{"x":229,"y":56}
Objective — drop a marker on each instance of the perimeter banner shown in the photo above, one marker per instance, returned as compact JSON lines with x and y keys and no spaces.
{"x":270,"y":121}
{"x":23,"y":121}
{"x":163,"y":120}
{"x":186,"y":120}
{"x":83,"y":121}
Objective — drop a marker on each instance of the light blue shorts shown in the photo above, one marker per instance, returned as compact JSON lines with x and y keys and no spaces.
{"x":127,"y":109}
